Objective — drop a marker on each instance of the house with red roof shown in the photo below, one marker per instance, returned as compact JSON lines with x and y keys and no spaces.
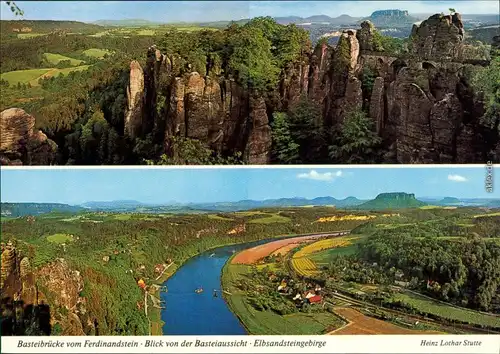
{"x":315,"y":299}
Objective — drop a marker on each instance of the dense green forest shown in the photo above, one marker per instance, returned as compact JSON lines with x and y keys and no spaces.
{"x":446,"y":257}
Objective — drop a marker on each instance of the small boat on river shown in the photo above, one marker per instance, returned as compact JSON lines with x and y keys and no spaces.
{"x":199,"y":290}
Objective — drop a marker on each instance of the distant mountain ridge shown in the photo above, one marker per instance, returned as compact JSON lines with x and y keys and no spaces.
{"x":340,"y":20}
{"x":282,"y":202}
{"x":396,"y":200}
{"x":285,"y":20}
{"x":24,"y":209}
{"x":45,"y":26}
{"x":127,"y":22}
{"x":113,"y":204}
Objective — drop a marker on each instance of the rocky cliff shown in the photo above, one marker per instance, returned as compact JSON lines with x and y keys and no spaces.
{"x":20,"y":143}
{"x":441,"y":38}
{"x":421,"y":102}
{"x":54,"y":286}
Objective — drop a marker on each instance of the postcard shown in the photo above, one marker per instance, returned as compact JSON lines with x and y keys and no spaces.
{"x":251,"y":260}
{"x":250,"y":177}
{"x":249,"y":82}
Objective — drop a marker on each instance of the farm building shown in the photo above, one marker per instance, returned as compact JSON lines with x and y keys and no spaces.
{"x":309,"y":294}
{"x":403,"y":284}
{"x":283,"y":286}
{"x":315,"y":299}
{"x":159,"y":268}
{"x":432,"y":283}
{"x":141,"y":284}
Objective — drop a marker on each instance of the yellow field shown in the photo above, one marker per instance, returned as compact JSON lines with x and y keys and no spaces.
{"x":346,"y":217}
{"x":487,"y":215}
{"x":323,"y":245}
{"x":304,"y":266}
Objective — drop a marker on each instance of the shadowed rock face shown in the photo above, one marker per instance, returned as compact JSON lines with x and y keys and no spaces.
{"x":495,"y":43}
{"x":17,"y":126}
{"x":135,"y":99}
{"x":259,"y":141}
{"x":20,"y":143}
{"x":421,"y":105}
{"x":60,"y":284}
{"x":377,"y":107}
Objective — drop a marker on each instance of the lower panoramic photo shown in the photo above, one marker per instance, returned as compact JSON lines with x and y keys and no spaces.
{"x":263,"y":251}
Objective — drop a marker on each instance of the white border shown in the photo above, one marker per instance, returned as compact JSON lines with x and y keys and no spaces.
{"x":346,"y":344}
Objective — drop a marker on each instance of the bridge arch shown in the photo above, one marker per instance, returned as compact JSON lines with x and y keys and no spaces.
{"x":397,"y":65}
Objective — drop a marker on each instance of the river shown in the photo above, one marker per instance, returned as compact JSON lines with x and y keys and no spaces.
{"x":189,"y":313}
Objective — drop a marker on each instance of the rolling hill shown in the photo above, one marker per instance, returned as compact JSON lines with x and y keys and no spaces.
{"x":23,"y":209}
{"x":127,"y":23}
{"x":46,"y":26}
{"x":323,"y":19}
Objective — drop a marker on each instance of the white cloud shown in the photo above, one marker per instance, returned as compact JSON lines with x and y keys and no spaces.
{"x":457,"y":178}
{"x":316,"y":176}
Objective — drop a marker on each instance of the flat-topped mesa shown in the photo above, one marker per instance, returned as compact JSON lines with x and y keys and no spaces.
{"x":396,"y":195}
{"x":391,"y":18}
{"x":396,"y":13}
{"x":440,"y":38}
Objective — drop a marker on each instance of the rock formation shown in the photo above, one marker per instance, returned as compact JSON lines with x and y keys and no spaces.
{"x":365,"y":36}
{"x":441,"y":38}
{"x":62,"y":285}
{"x":217,"y":112}
{"x":20,"y":143}
{"x":421,"y":103}
{"x":259,"y":141}
{"x":9,"y":264}
{"x":135,"y":98}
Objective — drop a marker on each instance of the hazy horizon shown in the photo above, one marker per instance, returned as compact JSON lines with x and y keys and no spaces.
{"x":171,"y":203}
{"x":206,"y":11}
{"x":160,"y":186}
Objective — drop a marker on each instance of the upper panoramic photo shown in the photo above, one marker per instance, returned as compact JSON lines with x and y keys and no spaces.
{"x":262,"y":82}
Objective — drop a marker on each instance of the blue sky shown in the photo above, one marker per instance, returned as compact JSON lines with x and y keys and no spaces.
{"x":199,"y":11}
{"x":75,"y":186}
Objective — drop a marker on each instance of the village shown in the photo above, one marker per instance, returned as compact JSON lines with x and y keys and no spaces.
{"x":311,"y":296}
